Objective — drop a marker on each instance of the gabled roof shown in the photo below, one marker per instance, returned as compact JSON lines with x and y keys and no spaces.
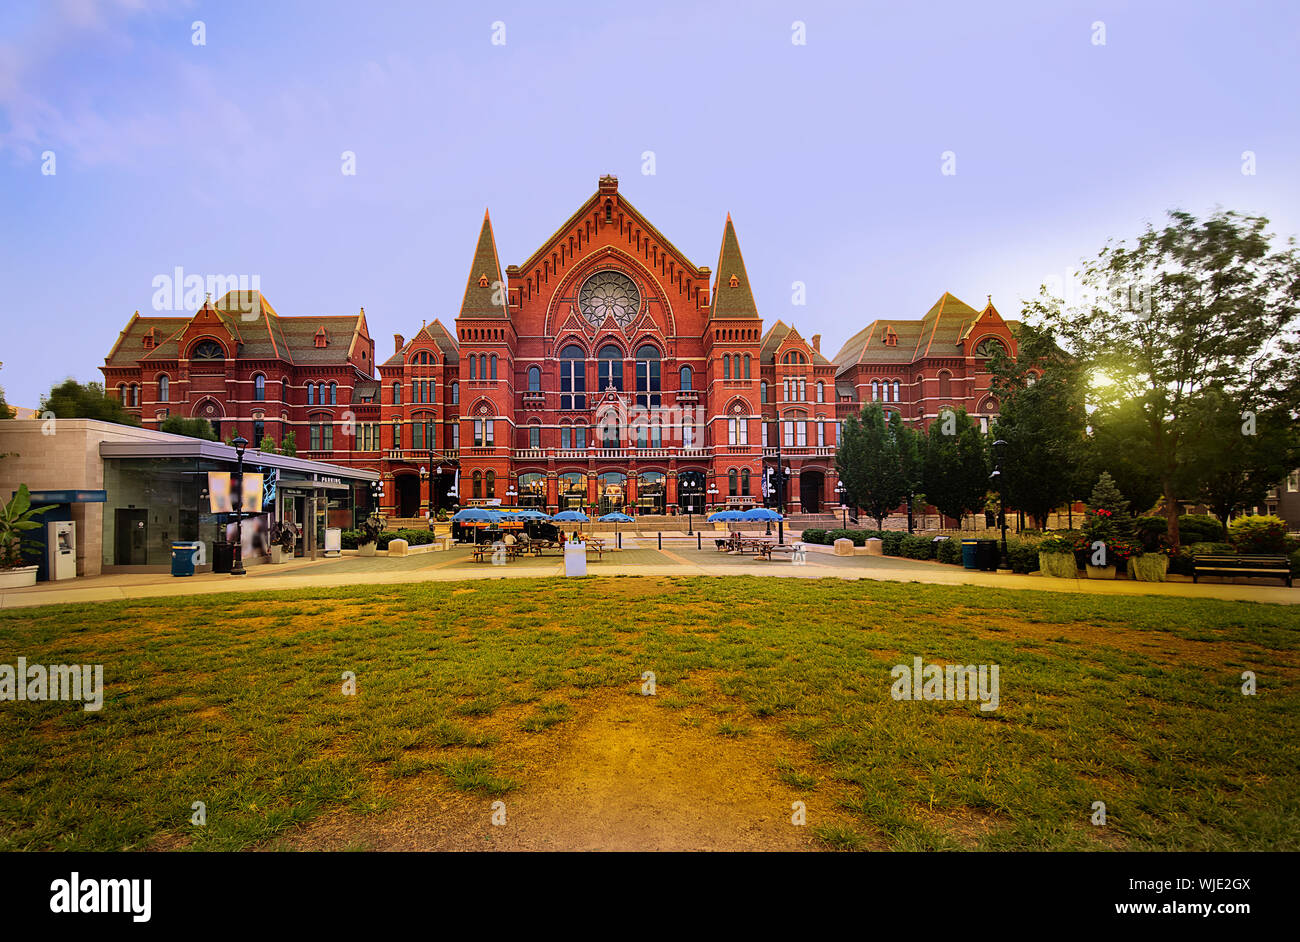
{"x":776,"y":336}
{"x":732,"y":300}
{"x":434,"y":332}
{"x":484,"y":278}
{"x":938,"y":333}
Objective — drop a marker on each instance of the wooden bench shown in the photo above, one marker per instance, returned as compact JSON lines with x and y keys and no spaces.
{"x":772,"y":550}
{"x":1223,"y":564}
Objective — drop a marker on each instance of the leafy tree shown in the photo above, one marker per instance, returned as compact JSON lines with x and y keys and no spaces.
{"x":73,"y":400}
{"x":6,"y":412}
{"x":955,"y":471}
{"x":867,"y":462}
{"x":1195,"y":305}
{"x":1235,"y":461}
{"x":1120,"y":445}
{"x":192,"y":427}
{"x":289,"y":444}
{"x":911,"y":465}
{"x":1042,"y":420}
{"x":266,"y":445}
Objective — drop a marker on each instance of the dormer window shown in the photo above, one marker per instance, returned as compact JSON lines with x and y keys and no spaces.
{"x":482,"y":281}
{"x":150,"y":339}
{"x":322,"y":338}
{"x":891,"y":338}
{"x":734,"y":282}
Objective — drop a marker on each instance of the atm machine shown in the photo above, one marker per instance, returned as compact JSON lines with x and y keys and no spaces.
{"x":61,"y":549}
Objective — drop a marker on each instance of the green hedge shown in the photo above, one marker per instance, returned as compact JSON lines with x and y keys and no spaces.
{"x":917,"y":547}
{"x":1205,"y":549}
{"x":1295,"y":563}
{"x":948,"y":551}
{"x":1022,"y":555}
{"x":814,"y":535}
{"x":412,"y":537}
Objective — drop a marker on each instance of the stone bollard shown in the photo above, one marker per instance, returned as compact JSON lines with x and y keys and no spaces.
{"x":843,"y":547}
{"x":397,"y":547}
{"x":875,"y":547}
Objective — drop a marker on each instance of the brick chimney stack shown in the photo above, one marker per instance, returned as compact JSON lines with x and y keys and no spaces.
{"x":817,"y":342}
{"x":398,"y":342}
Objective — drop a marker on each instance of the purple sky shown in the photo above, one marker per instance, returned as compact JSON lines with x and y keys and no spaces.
{"x":225,"y":158}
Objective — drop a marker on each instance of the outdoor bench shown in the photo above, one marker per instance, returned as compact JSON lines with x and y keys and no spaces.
{"x":1276,"y":567}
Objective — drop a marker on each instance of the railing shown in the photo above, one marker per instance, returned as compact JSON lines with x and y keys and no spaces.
{"x":800,"y":451}
{"x":421,"y":454}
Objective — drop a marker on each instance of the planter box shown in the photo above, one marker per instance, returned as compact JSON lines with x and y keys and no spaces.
{"x":1101,"y":572}
{"x":365,"y":549}
{"x":18,"y":578}
{"x":1149,"y":567}
{"x":1058,"y":565}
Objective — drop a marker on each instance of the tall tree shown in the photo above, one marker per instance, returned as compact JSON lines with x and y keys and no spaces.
{"x":73,"y":400}
{"x":1120,"y":444}
{"x":1191,"y":306}
{"x":911,"y":464}
{"x":1041,"y":418}
{"x":955,"y":472}
{"x":868,"y":464}
{"x":6,"y":412}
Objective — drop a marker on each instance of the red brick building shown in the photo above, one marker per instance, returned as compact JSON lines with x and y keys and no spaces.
{"x":606,"y":371}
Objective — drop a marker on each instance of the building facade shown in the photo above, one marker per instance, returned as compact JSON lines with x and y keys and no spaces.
{"x":607,"y":372}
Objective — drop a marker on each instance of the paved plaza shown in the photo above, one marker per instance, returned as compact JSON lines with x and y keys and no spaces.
{"x":641,"y":555}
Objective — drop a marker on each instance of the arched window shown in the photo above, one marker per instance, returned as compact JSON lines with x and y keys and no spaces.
{"x":478,"y":485}
{"x":875,"y":390}
{"x":490,"y":484}
{"x":534,"y":435}
{"x":884,"y":391}
{"x":259,"y":388}
{"x":482,"y":366}
{"x":334,"y":394}
{"x":455,"y":394}
{"x":647,"y":377}
{"x":164,"y":385}
{"x":897,"y":390}
{"x":731,"y":482}
{"x":747,"y":368}
{"x":532,"y":490}
{"x":135,"y":395}
{"x":945,"y":385}
{"x":121,"y":394}
{"x":573,"y":378}
{"x":744,"y":481}
{"x":534,"y":379}
{"x":609,"y":368}
{"x":686,"y":378}
{"x":208,"y":350}
{"x":284,"y":389}
{"x":397,"y":394}
{"x":492,"y":362}
{"x":821,"y":392}
{"x":762,"y":391}
{"x":311,"y":394}
{"x":473,"y":367}
{"x":726,"y":366}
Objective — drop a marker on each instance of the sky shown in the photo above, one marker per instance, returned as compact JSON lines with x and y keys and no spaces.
{"x":1066,"y":123}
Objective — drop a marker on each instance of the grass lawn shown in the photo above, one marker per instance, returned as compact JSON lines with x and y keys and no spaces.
{"x":236,"y":700}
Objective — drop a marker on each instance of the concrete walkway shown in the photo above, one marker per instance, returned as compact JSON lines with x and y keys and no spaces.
{"x":640,"y":556}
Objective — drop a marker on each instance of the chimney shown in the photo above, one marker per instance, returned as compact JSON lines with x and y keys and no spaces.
{"x":817,"y":342}
{"x":398,"y":342}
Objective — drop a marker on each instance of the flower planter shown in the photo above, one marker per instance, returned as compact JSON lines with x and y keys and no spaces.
{"x":1149,"y":567}
{"x":277,"y":555}
{"x":1058,"y":565}
{"x":18,"y":578}
{"x":1101,"y":572}
{"x":365,"y":549}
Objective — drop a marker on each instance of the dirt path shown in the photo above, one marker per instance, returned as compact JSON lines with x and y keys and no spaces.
{"x":626,"y":774}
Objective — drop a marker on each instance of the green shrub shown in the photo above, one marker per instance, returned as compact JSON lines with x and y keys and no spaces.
{"x":348,"y":539}
{"x":1206,"y":549}
{"x":814,"y":535}
{"x":1022,"y":555}
{"x":1181,"y":563}
{"x":917,"y":547}
{"x":1200,"y":528}
{"x":1258,"y":534}
{"x":892,"y":542}
{"x":948,"y":551}
{"x":1295,"y":563}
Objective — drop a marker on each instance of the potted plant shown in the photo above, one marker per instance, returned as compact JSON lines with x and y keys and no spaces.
{"x":16,"y":519}
{"x":370,"y":529}
{"x":1056,"y":558}
{"x":283,"y":536}
{"x":1107,"y":539}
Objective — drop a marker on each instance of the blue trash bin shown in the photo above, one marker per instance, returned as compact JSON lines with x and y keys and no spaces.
{"x":970,"y":554}
{"x":183,"y":558}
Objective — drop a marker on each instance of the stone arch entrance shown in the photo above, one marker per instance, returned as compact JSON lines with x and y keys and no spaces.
{"x":407,"y":488}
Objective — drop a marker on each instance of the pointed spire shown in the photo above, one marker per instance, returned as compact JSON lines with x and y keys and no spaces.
{"x":484,"y":277}
{"x":732,"y":296}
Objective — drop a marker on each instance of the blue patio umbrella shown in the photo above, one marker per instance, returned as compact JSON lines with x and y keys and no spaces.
{"x":722,"y":516}
{"x":762,"y":514}
{"x":571,"y":516}
{"x":475,"y":517}
{"x":617,"y":518}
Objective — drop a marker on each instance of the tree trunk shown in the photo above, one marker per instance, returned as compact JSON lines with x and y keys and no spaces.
{"x":1171,"y":514}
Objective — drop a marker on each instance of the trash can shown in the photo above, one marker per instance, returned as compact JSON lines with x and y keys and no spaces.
{"x":223,"y":556}
{"x":183,"y":558}
{"x":970,"y":554}
{"x":987,"y":555}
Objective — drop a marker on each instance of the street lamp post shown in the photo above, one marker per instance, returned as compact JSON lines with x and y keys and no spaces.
{"x":237,"y":567}
{"x":689,"y":487}
{"x":842,"y":491}
{"x":998,"y":447}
